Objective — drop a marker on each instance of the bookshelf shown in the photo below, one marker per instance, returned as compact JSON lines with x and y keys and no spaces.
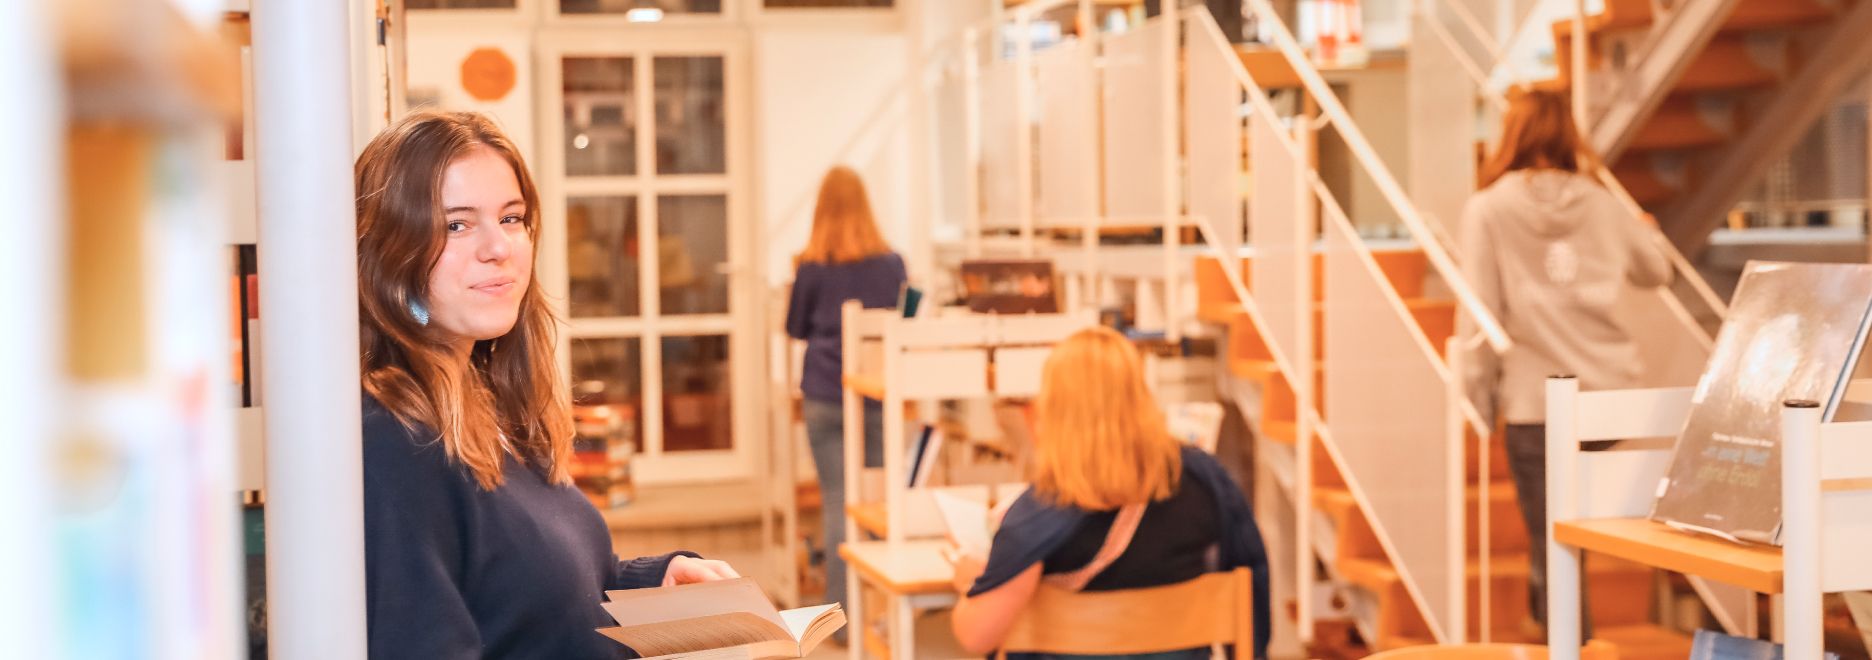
{"x":1600,"y":502}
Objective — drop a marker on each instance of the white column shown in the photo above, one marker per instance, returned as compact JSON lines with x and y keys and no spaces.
{"x":308,"y":278}
{"x":1563,"y":562}
{"x":1800,"y":528}
{"x":30,"y":344}
{"x":922,"y":151}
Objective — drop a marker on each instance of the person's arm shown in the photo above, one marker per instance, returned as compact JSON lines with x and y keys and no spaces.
{"x":413,"y":550}
{"x":982,"y":621}
{"x":799,"y":304}
{"x":994,"y":590}
{"x":1650,"y":266}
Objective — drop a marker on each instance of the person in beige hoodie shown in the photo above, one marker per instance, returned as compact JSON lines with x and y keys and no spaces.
{"x":1549,"y":251}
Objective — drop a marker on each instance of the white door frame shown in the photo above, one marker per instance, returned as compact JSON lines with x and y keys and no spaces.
{"x":568,"y":36}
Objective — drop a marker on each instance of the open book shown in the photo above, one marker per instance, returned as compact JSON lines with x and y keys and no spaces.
{"x":967,"y":522}
{"x":716,"y":620}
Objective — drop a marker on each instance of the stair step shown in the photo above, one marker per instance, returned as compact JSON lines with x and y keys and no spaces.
{"x":1651,"y":178}
{"x":1507,"y":534}
{"x":1773,"y":14}
{"x":1734,"y":62}
{"x":1378,"y":574}
{"x":1684,"y":122}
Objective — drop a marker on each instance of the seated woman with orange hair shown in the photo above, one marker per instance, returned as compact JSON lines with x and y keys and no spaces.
{"x":1116,"y":502}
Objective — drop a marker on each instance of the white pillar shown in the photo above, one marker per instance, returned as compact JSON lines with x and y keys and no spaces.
{"x":1800,"y":528}
{"x":1563,"y":562}
{"x":30,"y":344}
{"x":308,"y":278}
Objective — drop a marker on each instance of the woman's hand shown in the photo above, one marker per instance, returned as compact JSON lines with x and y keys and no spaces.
{"x":689,"y":570}
{"x":968,"y":566}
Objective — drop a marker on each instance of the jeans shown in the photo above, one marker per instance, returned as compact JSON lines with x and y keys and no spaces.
{"x":825,"y":431}
{"x":1527,"y":462}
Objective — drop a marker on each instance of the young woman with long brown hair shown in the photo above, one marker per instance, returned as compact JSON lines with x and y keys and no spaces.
{"x":845,"y":259}
{"x":1108,"y":478}
{"x":1549,"y":250}
{"x":476,"y":543}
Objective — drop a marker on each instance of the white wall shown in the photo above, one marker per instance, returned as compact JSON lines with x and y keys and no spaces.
{"x":437,"y":46}
{"x":825,"y":97}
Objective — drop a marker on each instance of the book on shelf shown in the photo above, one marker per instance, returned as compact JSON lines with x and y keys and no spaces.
{"x":924,"y":455}
{"x":722,"y":619}
{"x":1712,"y":645}
{"x":244,"y":307}
{"x":603,"y":440}
{"x":1794,"y":331}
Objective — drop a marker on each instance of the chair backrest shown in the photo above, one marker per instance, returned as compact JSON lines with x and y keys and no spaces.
{"x":1594,"y":650}
{"x":1217,"y":608}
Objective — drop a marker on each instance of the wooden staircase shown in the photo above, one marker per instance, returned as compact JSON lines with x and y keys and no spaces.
{"x":1621,"y":593}
{"x":1683,"y":149}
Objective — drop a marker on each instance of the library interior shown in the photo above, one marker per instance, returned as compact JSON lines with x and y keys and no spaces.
{"x":1158,"y":329}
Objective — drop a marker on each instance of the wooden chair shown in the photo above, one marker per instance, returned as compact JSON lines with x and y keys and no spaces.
{"x":1211,"y":610}
{"x":1594,"y":650}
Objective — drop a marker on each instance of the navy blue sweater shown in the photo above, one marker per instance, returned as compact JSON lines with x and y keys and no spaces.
{"x":813,"y":313}
{"x":454,"y":571}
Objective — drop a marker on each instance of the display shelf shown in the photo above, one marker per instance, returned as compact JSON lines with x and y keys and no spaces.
{"x":1755,"y":567}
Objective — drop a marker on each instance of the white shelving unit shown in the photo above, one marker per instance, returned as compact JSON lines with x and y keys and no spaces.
{"x":1597,"y":502}
{"x":957,"y":356}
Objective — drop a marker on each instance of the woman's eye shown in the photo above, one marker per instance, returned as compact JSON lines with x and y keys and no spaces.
{"x":513,"y":219}
{"x":456,"y":226}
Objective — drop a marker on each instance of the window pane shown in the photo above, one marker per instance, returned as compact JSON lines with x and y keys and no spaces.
{"x":692,"y":249}
{"x":691,"y":127}
{"x":600,"y":118}
{"x":608,"y":372}
{"x":601,"y":256}
{"x":817,"y":4}
{"x":696,"y":410}
{"x":458,"y":4}
{"x":624,"y":6}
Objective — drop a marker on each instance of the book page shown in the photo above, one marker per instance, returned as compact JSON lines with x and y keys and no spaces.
{"x":967,"y":522}
{"x":702,"y":634}
{"x":637,"y":607}
{"x":799,"y":620}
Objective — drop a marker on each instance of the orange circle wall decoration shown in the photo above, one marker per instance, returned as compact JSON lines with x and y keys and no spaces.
{"x":487,"y":74}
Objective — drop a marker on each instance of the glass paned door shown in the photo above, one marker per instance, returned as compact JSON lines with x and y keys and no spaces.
{"x":647,"y":175}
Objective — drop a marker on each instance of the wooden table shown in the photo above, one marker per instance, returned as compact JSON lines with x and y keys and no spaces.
{"x":912,"y":574}
{"x":1753,"y":567}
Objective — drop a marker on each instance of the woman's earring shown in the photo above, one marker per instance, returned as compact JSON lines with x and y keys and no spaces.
{"x":421,"y":313}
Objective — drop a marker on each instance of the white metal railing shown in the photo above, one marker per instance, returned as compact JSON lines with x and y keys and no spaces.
{"x":1362,"y":150}
{"x":1447,"y":619}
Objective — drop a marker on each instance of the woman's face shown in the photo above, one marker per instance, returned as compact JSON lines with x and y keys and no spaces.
{"x":487,"y":260}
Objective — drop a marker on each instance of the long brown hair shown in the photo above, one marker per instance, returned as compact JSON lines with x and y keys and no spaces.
{"x":512,"y":384}
{"x":1537,"y":131}
{"x":1101,"y":442}
{"x":843,"y":229}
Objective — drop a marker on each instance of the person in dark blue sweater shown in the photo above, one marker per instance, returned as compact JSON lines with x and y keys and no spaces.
{"x":846,"y":259}
{"x":476,"y":543}
{"x":1116,"y":503}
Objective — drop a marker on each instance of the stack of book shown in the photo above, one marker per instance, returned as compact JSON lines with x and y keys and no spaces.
{"x":604,"y":437}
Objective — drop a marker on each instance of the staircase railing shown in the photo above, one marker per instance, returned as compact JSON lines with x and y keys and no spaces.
{"x":1389,"y":385}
